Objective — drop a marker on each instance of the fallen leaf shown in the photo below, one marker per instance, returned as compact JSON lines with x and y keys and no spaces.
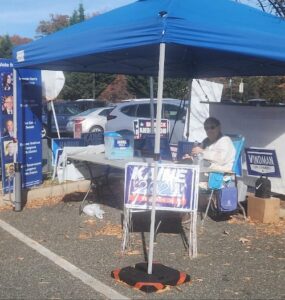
{"x":133,"y":252}
{"x":20,"y":258}
{"x":85,"y":235}
{"x":244,"y":240}
{"x":110,"y":229}
{"x":226,"y":232}
{"x":90,"y":222}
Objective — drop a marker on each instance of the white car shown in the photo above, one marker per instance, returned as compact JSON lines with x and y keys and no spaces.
{"x":92,"y":120}
{"x":125,"y":113}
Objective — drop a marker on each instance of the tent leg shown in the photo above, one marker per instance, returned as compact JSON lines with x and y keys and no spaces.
{"x":17,"y":165}
{"x":156,"y":151}
{"x":151,"y":103}
{"x":188,"y":109}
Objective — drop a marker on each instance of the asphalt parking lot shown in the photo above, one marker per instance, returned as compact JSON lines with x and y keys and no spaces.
{"x":236,"y":259}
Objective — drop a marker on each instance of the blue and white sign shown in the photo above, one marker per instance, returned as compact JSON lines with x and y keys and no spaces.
{"x":177,"y":186}
{"x":57,"y":144}
{"x":262,"y":162}
{"x":8,"y":145}
{"x":143,"y":126}
{"x":29,"y":125}
{"x":93,"y":138}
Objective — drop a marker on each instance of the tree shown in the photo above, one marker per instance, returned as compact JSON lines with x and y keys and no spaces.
{"x":5,"y":47}
{"x":56,"y":23}
{"x":276,"y":7}
{"x":18,"y":40}
{"x":78,"y":15}
{"x":84,"y":85}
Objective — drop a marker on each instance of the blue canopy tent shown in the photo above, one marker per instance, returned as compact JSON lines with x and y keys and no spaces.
{"x":190,"y":38}
{"x":204,"y":38}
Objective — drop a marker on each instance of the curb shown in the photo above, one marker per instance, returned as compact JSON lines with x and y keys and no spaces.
{"x":50,"y":191}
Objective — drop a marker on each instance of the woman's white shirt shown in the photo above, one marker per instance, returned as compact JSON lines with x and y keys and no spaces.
{"x":220,"y":154}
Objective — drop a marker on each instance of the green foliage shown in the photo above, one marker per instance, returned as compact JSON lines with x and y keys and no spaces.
{"x":78,"y":15}
{"x":74,"y":18}
{"x":175,"y":88}
{"x":5,"y":47}
{"x":269,"y":88}
{"x":84,"y":85}
{"x":81,"y":12}
{"x":138,"y":86}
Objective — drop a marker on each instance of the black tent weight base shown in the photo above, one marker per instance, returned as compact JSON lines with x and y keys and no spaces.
{"x":161,"y":276}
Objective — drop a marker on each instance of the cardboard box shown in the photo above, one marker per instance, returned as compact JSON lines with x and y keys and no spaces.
{"x":265,"y":210}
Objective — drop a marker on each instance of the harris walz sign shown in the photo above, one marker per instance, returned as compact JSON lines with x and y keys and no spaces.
{"x":262,"y":162}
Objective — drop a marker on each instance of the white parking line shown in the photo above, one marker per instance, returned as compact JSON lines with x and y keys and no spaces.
{"x":64,"y":264}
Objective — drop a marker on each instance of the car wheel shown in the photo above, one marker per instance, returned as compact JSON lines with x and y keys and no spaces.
{"x":96,"y":129}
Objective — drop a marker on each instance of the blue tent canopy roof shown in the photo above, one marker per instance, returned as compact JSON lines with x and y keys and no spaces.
{"x":204,"y":38}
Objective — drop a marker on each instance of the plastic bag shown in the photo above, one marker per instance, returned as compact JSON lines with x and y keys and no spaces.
{"x":93,"y":210}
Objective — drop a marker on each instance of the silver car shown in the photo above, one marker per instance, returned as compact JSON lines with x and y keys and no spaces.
{"x":92,"y":120}
{"x":125,"y":113}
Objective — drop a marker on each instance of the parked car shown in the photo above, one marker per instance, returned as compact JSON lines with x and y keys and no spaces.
{"x":125,"y":113}
{"x":65,"y":109}
{"x":258,"y":102}
{"x":92,"y":120}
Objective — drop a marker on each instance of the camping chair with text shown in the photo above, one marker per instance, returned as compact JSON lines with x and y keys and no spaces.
{"x":223,"y":184}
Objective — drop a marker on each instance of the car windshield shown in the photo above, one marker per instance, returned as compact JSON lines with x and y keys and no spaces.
{"x":66,"y":109}
{"x":87,"y":112}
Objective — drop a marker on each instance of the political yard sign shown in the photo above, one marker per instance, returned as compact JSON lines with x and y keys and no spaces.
{"x":262,"y":162}
{"x":143,"y":126}
{"x":177,"y":186}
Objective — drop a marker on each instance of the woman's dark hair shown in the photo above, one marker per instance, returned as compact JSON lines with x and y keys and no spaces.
{"x":212,"y":121}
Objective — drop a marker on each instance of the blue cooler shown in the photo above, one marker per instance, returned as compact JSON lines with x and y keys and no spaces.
{"x":119,"y":144}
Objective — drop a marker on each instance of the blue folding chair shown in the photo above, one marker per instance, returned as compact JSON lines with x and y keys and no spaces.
{"x":216,"y":179}
{"x":146,"y":146}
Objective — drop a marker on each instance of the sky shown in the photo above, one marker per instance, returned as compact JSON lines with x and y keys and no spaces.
{"x":21,"y":17}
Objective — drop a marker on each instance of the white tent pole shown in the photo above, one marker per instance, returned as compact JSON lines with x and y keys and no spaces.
{"x":156,"y":151}
{"x":151,"y":103}
{"x":188,"y":109}
{"x":55,"y":119}
{"x":17,"y":165}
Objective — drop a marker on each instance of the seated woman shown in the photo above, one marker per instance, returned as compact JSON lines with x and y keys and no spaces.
{"x":217,"y":150}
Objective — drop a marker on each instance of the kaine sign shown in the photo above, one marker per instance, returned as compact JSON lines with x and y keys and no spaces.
{"x":262,"y":162}
{"x":177,"y":186}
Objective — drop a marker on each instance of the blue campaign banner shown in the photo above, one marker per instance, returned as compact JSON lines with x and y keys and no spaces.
{"x":29,"y":126}
{"x":262,"y":162}
{"x":57,"y":144}
{"x":8,"y":144}
{"x":177,"y":186}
